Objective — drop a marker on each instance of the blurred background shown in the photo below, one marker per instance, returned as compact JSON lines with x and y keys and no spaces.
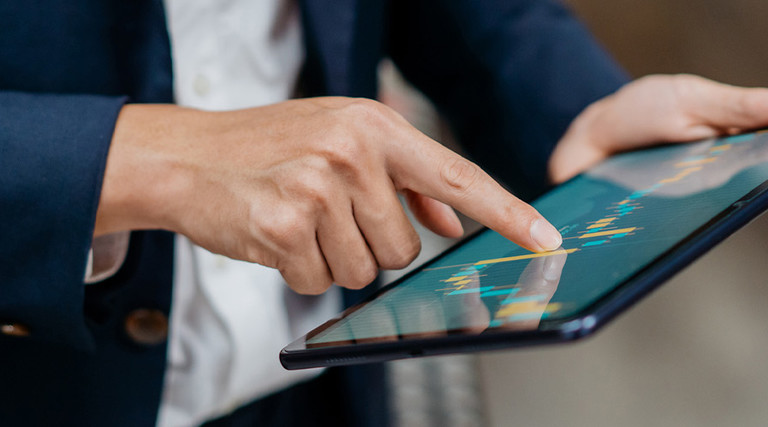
{"x":693,"y":354}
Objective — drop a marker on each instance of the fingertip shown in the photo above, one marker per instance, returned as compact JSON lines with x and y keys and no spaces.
{"x":545,"y":235}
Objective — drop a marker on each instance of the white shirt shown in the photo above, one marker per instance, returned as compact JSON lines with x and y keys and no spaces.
{"x":229,"y":318}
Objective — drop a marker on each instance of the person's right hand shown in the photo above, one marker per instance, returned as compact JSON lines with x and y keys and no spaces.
{"x":305,"y":186}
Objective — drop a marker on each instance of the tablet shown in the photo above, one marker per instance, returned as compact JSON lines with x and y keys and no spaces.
{"x":628,"y":225}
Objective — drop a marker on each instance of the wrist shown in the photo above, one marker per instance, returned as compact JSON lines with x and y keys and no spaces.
{"x":143,"y":180}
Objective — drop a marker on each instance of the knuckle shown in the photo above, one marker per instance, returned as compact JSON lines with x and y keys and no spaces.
{"x":364,"y":274}
{"x":366,"y":112}
{"x":318,"y":287}
{"x":340,"y":153}
{"x":306,"y":284}
{"x":344,"y":154}
{"x":317,"y":167}
{"x":302,"y":277}
{"x":381,"y":215}
{"x":286,"y":229}
{"x":460,"y":175}
{"x":403,"y":254}
{"x":361,"y":106}
{"x":315,"y":187}
{"x":318,"y":194}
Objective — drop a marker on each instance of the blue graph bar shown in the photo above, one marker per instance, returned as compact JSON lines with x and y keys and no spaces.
{"x":469,"y":291}
{"x":500,"y":292}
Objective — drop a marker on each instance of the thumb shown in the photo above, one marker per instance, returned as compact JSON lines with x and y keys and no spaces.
{"x":724,"y":107}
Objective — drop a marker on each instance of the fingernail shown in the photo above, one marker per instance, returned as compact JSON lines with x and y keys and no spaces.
{"x":545,"y":235}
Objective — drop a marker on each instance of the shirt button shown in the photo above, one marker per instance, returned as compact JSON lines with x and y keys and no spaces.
{"x":14,"y":329}
{"x":147,"y":326}
{"x":201,"y":85}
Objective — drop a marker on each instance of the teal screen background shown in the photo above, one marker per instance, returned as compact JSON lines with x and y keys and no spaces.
{"x":615,"y":220}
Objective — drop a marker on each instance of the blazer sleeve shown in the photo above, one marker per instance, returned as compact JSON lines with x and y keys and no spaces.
{"x":53,"y":151}
{"x":508,"y":75}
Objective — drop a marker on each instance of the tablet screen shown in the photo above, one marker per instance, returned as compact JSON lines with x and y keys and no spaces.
{"x":615,"y":220}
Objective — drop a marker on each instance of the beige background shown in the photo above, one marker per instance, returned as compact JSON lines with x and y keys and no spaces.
{"x":696,"y":352}
{"x":720,"y":39}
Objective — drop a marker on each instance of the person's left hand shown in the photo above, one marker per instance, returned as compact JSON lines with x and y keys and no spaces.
{"x":652,"y":110}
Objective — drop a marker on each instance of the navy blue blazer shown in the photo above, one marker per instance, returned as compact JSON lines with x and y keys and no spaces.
{"x":508,"y":75}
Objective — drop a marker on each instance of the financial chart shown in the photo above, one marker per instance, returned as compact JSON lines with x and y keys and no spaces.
{"x":614,"y":220}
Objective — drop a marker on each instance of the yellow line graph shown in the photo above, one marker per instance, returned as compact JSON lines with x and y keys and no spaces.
{"x":601,"y":223}
{"x":526,"y":256}
{"x":720,"y":148}
{"x":695,"y":162}
{"x":607,"y":233}
{"x":681,"y":175}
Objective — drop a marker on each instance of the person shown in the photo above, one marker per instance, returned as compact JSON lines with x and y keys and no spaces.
{"x":306,"y":186}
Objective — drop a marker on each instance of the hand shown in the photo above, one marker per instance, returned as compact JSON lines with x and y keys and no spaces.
{"x":306,"y":186}
{"x":653,"y":110}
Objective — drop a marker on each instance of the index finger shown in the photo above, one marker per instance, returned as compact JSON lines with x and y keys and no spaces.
{"x":424,"y":166}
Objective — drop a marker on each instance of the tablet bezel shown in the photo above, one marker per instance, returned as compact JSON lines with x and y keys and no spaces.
{"x":584,"y":323}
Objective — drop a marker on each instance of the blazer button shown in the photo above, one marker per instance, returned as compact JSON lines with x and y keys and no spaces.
{"x":14,"y":329}
{"x":147,"y":326}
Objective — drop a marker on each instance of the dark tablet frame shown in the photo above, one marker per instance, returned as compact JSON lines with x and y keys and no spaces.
{"x":584,"y":323}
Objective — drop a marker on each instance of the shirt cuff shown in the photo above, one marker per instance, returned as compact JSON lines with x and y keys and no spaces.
{"x":106,"y":256}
